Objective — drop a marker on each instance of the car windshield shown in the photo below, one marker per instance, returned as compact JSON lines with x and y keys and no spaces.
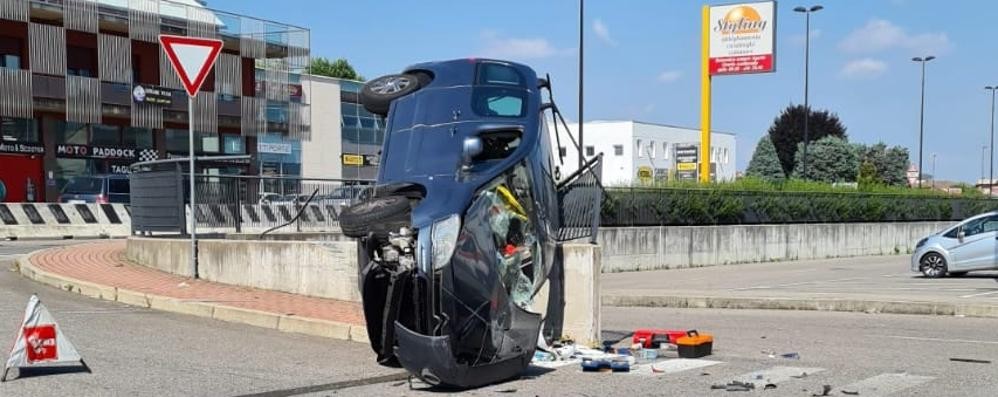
{"x":83,"y":185}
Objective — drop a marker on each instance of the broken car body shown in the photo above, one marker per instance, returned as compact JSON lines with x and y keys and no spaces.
{"x":461,"y":231}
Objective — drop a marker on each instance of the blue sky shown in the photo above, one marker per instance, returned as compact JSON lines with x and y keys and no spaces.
{"x":642,"y":61}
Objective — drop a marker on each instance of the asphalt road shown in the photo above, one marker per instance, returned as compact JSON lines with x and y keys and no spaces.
{"x":884,"y":278}
{"x":140,"y":352}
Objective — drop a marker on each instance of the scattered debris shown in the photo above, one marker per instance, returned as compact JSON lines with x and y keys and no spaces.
{"x":850,"y":392}
{"x":183,"y":284}
{"x":970,"y":360}
{"x":825,"y":389}
{"x":399,"y":384}
{"x":704,"y":374}
{"x":769,"y":386}
{"x":506,"y":391}
{"x":801,"y":376}
{"x":791,"y":356}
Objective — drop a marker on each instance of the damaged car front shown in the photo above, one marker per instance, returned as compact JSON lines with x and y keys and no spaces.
{"x":459,"y":235}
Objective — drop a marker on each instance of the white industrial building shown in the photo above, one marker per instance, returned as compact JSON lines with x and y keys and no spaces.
{"x":632,"y":147}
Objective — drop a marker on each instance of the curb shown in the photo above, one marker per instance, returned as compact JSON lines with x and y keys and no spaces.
{"x":831,"y":305}
{"x":280,"y":322}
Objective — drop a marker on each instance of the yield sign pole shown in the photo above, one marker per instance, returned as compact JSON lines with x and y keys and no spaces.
{"x":192,"y":58}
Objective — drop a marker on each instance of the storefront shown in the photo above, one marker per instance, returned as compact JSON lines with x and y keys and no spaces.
{"x":21,"y":156}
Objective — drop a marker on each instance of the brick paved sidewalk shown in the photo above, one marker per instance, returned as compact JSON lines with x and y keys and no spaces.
{"x":104,"y":264}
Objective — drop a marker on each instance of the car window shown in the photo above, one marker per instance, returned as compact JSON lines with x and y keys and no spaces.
{"x":84,"y":185}
{"x":982,"y":225}
{"x":499,"y":101}
{"x":494,"y":73}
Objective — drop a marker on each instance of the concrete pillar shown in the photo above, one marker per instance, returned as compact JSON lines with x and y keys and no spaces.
{"x":582,"y":268}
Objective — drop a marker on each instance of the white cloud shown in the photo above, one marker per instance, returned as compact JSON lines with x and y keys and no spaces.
{"x":603,"y":32}
{"x":879,"y":35}
{"x":669,"y":76}
{"x":497,"y":46}
{"x":864,"y":68}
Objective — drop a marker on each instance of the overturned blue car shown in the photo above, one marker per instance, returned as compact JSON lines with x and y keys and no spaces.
{"x":462,"y":230}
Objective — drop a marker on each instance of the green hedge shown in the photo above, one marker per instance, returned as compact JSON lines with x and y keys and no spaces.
{"x":684,"y":206}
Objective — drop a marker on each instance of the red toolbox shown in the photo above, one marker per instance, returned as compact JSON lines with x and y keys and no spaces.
{"x":655,"y":338}
{"x":695,"y":345}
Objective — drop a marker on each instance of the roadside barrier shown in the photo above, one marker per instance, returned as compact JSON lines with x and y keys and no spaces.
{"x":60,"y":220}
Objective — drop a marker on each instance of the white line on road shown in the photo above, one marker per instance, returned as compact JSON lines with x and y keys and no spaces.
{"x":800,"y":283}
{"x":776,"y":375}
{"x":980,"y":294}
{"x":924,"y":339}
{"x":672,"y":366}
{"x":884,"y":384}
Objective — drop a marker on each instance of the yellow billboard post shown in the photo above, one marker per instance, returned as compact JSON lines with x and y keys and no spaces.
{"x":705,"y":97}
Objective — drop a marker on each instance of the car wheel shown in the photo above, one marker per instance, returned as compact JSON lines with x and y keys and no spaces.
{"x":380,"y":216}
{"x":377,"y":95}
{"x":957,"y":274}
{"x":933,"y":265}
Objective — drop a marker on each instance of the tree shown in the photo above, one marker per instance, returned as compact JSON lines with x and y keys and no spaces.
{"x":787,"y":132}
{"x":867,"y":175}
{"x":830,"y":159}
{"x":765,"y":163}
{"x":891,"y":163}
{"x":339,"y":68}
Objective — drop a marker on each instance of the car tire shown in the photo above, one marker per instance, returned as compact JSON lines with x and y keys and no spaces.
{"x":377,"y":95}
{"x":932,"y":265}
{"x":957,"y":274}
{"x":378,"y":216}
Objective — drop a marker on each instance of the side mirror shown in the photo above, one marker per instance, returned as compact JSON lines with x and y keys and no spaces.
{"x":471,"y":147}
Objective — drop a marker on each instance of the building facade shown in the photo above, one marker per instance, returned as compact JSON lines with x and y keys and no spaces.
{"x":347,"y":139}
{"x":639,"y":153}
{"x":86,"y":89}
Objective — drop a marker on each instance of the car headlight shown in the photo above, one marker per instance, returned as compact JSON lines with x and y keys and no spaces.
{"x":444,"y":240}
{"x":921,"y":242}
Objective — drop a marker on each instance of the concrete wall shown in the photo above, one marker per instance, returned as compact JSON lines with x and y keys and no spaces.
{"x":648,"y":248}
{"x":168,"y":255}
{"x":74,"y":226}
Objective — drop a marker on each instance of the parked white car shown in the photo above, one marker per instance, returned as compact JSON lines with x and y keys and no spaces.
{"x":967,"y":246}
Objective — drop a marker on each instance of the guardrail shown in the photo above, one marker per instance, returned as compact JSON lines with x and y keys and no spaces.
{"x":60,"y":220}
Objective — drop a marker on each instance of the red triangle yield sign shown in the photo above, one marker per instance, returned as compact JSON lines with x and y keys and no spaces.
{"x":191,"y":57}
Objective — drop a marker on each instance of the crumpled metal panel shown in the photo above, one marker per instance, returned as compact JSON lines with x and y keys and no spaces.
{"x":228,"y":75}
{"x":253,"y":115}
{"x":115,"y":57}
{"x":15,"y":86}
{"x":206,"y":112}
{"x":83,"y":104}
{"x":143,"y":20}
{"x":47,"y":49}
{"x":14,"y":10}
{"x":80,"y":15}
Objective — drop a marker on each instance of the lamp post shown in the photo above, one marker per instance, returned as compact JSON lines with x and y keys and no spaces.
{"x":807,"y":55}
{"x":991,"y":177}
{"x":921,"y":120}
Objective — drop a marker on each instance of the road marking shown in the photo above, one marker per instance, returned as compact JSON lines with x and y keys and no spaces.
{"x":980,"y":294}
{"x":884,"y":384}
{"x":800,"y":283}
{"x":924,"y":339}
{"x":671,"y":366}
{"x":776,"y":375}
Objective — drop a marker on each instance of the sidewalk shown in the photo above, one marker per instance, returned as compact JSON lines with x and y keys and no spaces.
{"x":99,"y":270}
{"x":864,"y":284}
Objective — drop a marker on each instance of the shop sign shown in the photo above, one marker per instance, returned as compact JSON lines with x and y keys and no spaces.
{"x":742,"y":38}
{"x":21,"y":148}
{"x":97,"y":152}
{"x":275,"y":148}
{"x":645,"y":174}
{"x":152,"y":95}
{"x":687,"y":153}
{"x":361,"y":159}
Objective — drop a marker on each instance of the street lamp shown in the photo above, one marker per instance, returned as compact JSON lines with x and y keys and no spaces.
{"x":807,"y":54}
{"x":992,"y":175}
{"x":921,"y":121}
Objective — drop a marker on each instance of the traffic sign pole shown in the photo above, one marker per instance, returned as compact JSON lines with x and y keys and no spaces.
{"x":192,"y":59}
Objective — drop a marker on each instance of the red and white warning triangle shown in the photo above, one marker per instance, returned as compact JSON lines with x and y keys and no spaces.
{"x":191,"y":57}
{"x":40,"y":342}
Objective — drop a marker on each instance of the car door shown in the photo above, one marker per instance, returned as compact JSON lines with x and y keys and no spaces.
{"x":977,"y":249}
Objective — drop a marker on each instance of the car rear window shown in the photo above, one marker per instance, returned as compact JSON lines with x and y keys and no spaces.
{"x":83,"y":185}
{"x":499,"y":74}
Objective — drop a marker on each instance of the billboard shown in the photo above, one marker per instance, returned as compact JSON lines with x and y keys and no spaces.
{"x":743,"y":38}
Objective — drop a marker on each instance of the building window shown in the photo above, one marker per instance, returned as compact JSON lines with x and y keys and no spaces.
{"x":590,"y":151}
{"x":618,"y":150}
{"x":725,"y":155}
{"x":67,"y":133}
{"x":10,"y":52}
{"x":139,"y":138}
{"x":18,"y":130}
{"x":105,"y":135}
{"x":651,"y":149}
{"x":638,"y":148}
{"x":81,"y":61}
{"x":233,"y":144}
{"x":665,"y":150}
{"x":562,"y":151}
